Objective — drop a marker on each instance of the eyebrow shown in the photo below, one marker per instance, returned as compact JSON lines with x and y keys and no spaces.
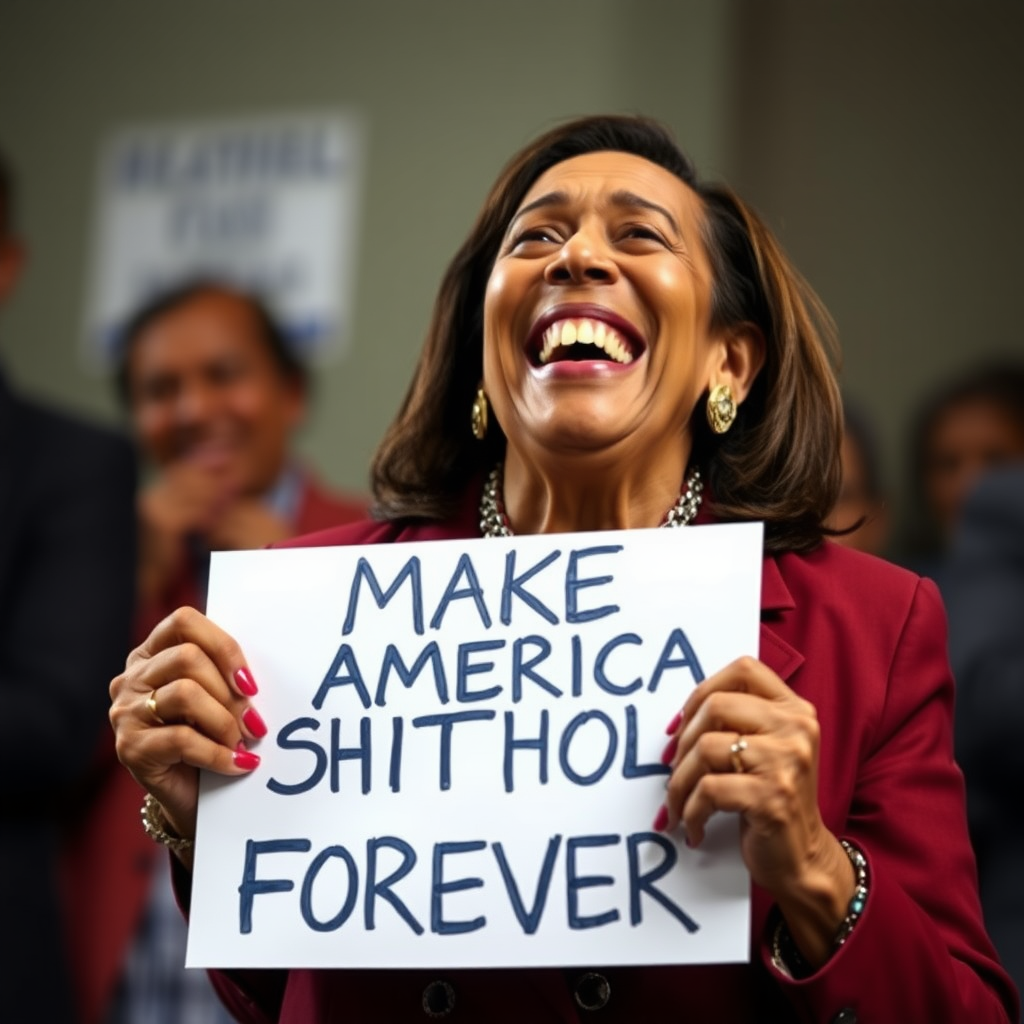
{"x":621,"y":197}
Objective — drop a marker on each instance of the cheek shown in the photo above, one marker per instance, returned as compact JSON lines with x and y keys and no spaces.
{"x":500,"y":305}
{"x":154,"y":426}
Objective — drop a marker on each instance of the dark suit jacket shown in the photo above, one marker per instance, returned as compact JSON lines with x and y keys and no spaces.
{"x":865,"y":642}
{"x":984,"y":590}
{"x":67,"y":579}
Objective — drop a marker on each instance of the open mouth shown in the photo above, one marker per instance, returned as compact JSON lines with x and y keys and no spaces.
{"x":578,"y":339}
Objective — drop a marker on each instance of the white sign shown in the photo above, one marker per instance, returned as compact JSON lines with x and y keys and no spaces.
{"x":463,"y":763}
{"x":268,"y":203}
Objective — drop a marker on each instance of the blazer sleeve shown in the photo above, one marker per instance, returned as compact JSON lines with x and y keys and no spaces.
{"x":920,"y":951}
{"x":67,"y":604}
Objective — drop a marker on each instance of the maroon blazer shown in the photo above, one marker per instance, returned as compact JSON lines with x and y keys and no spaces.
{"x":109,"y":861}
{"x":865,"y":642}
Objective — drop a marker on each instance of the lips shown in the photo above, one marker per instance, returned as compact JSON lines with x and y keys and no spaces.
{"x":583,"y":333}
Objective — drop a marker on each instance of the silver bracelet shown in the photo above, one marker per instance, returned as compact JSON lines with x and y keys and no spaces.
{"x":155,"y":824}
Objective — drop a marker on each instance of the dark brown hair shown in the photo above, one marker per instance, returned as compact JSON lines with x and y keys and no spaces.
{"x":779,"y":462}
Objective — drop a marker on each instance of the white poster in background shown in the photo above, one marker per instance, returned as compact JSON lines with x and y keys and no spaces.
{"x":463,"y":762}
{"x":268,"y":202}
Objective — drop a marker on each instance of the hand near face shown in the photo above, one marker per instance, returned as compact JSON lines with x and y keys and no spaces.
{"x":200,"y":687}
{"x":771,"y":781}
{"x":192,"y":500}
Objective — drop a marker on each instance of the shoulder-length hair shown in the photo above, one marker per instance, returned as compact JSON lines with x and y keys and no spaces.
{"x":779,"y":462}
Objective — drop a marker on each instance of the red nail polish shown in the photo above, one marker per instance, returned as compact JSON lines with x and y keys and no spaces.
{"x":661,"y":820}
{"x":253,"y":722}
{"x":674,"y":724}
{"x":669,"y":752}
{"x":245,"y":759}
{"x":245,"y":682}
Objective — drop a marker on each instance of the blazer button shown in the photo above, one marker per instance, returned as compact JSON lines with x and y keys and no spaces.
{"x":845,"y":1016}
{"x":592,"y":991}
{"x":438,"y":999}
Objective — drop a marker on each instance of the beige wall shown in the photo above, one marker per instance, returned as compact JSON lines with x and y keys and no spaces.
{"x":881,"y":140}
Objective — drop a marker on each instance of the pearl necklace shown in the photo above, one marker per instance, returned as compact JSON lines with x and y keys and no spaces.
{"x":494,"y":522}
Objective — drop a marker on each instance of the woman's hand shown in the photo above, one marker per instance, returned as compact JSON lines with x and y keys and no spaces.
{"x":181,"y":704}
{"x":746,"y":742}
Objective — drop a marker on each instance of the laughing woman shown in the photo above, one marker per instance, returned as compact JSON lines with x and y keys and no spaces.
{"x":618,"y":344}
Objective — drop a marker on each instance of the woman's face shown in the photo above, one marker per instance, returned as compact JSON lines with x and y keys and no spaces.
{"x":596,"y":312}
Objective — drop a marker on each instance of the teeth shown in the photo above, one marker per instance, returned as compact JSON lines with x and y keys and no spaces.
{"x":587,"y":332}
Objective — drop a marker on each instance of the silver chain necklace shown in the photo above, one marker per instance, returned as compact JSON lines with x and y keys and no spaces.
{"x":494,"y":522}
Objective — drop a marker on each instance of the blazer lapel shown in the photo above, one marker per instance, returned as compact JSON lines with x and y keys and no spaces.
{"x":780,"y":656}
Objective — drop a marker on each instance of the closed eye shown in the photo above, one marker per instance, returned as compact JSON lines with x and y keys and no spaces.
{"x":643,"y":231}
{"x":535,"y":235}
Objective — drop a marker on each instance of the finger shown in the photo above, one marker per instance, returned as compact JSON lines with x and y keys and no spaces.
{"x":184,"y":701}
{"x":188,"y":630}
{"x":744,"y":675}
{"x":713,"y":753}
{"x":716,"y":792}
{"x":151,"y":754}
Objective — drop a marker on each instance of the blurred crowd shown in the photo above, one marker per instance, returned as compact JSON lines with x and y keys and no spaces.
{"x":104,"y":531}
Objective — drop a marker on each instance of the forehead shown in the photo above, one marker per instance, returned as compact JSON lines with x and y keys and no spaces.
{"x":600,"y":176}
{"x":204,"y":325}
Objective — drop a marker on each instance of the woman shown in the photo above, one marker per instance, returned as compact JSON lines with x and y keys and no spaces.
{"x":613,"y":336}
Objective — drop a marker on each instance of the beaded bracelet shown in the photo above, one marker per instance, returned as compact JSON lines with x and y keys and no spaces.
{"x":786,"y":957}
{"x":155,"y":824}
{"x":860,"y":893}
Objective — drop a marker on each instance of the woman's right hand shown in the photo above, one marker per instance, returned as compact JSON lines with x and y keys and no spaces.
{"x":200,"y":687}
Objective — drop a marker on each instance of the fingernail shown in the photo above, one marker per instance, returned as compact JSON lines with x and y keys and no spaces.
{"x":245,"y":759}
{"x":674,"y":724}
{"x":669,"y":752}
{"x":661,"y":820}
{"x":245,"y":682}
{"x":689,"y":842}
{"x":253,"y":722}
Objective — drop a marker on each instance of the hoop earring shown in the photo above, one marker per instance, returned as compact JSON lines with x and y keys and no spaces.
{"x":721,"y":408}
{"x":478,"y":414}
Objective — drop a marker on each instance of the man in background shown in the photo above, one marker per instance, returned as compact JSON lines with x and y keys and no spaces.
{"x":215,"y":394}
{"x":67,"y":575}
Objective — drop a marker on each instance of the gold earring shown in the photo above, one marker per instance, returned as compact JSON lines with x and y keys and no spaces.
{"x":721,"y":408}
{"x":478,"y":414}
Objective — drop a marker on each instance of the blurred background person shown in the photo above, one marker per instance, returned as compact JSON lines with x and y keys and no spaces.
{"x":973,"y":423}
{"x":215,"y":395}
{"x":861,"y":503}
{"x":67,"y":575}
{"x":984,"y":593}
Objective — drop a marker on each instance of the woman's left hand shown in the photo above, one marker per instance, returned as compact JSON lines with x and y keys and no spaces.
{"x":746,"y":742}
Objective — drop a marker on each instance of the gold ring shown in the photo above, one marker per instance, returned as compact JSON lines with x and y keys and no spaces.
{"x":735,"y":752}
{"x":151,"y":707}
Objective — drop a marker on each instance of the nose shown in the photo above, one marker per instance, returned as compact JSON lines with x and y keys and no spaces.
{"x":195,"y":403}
{"x":584,"y":258}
